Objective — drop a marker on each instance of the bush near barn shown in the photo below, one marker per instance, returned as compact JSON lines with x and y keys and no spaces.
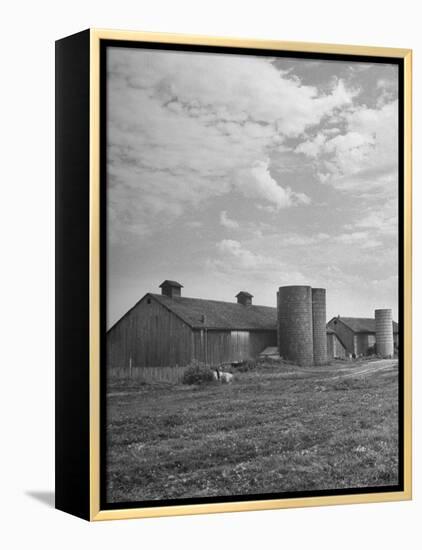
{"x":197,"y":373}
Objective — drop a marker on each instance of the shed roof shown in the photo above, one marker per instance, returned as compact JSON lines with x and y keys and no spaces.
{"x":362,"y":324}
{"x":212,"y":314}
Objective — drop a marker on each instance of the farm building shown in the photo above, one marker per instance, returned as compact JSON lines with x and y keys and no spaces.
{"x":167,"y":329}
{"x":358,"y":334}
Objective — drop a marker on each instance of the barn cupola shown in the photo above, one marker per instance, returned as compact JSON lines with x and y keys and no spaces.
{"x":244,"y":298}
{"x":172,"y":289}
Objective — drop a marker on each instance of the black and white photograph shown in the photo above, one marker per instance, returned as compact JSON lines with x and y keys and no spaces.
{"x":252,"y":333}
{"x":208,"y":261}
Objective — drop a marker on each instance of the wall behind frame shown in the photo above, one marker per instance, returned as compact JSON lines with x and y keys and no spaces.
{"x":27,"y":222}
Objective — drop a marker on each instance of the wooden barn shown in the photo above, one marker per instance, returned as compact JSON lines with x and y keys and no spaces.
{"x":167,"y":330}
{"x":357,"y":334}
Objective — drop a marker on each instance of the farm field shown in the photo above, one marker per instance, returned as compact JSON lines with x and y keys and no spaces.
{"x":279,"y":428}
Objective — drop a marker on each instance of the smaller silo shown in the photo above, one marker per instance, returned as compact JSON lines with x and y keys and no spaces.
{"x":384,"y":332}
{"x":319,"y":325}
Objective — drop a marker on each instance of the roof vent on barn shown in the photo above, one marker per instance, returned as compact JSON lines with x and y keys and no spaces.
{"x":172,"y":289}
{"x":244,"y":298}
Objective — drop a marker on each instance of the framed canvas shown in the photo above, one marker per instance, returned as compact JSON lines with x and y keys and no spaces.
{"x":233,"y":276}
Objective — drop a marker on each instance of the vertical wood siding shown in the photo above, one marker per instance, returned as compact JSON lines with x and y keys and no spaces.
{"x":169,"y":375}
{"x":214,"y":347}
{"x":149,"y":336}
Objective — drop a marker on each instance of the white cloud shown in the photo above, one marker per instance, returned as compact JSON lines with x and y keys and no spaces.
{"x":259,"y":273}
{"x":351,"y":237}
{"x":360,"y":238}
{"x":294,"y":239}
{"x":383,"y":222}
{"x":225,"y":221}
{"x":364,"y":159}
{"x":185,"y":128}
{"x":313,"y":147}
{"x":256,"y":182}
{"x":246,"y":258}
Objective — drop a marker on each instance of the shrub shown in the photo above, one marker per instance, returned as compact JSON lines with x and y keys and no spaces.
{"x":197,"y":373}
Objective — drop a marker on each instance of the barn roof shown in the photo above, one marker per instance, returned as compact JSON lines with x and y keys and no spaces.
{"x":362,"y":324}
{"x":212,"y":314}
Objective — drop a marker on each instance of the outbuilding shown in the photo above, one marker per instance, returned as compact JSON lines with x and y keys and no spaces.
{"x":358,"y":334}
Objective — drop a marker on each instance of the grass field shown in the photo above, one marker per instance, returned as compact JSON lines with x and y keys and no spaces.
{"x":275,"y":429}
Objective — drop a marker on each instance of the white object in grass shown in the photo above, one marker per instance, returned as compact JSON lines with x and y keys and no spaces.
{"x":223,"y":377}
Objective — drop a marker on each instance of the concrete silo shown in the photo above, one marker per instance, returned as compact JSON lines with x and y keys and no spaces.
{"x":319,"y":324}
{"x":295,"y":324}
{"x":384,"y":332}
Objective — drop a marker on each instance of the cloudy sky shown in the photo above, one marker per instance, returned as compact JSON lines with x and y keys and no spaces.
{"x":231,"y":173}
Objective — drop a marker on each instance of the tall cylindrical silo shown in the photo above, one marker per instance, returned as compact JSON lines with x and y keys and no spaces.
{"x":295,"y":324}
{"x":384,"y":332}
{"x":319,"y":325}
